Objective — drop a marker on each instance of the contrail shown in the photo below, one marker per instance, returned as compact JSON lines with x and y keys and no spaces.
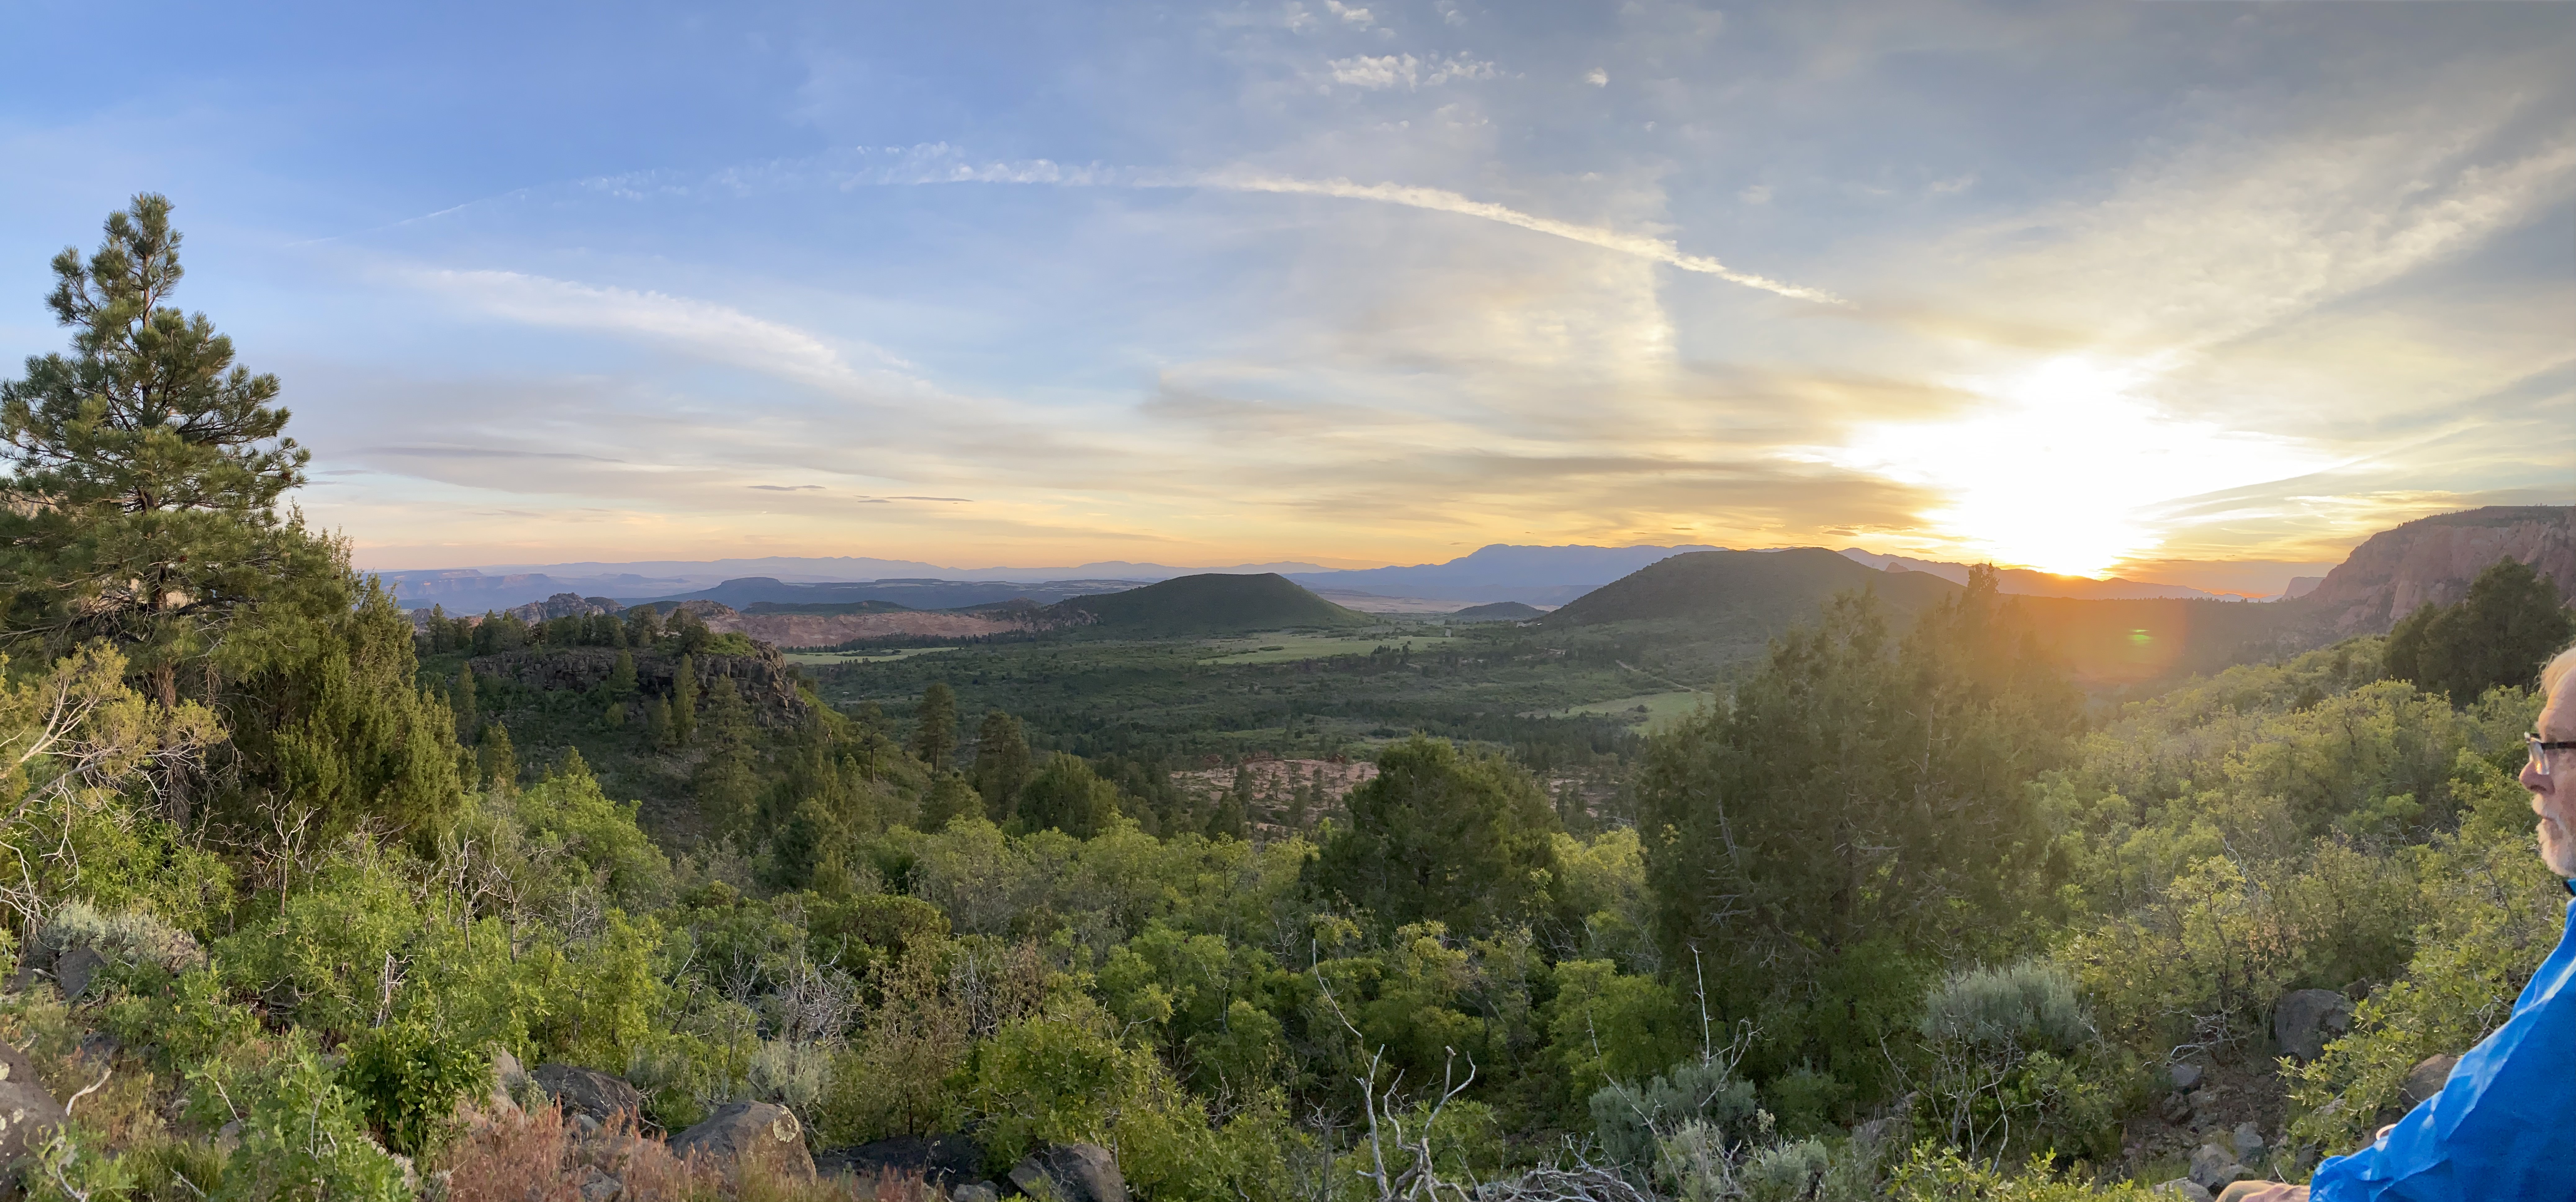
{"x":937,"y":163}
{"x":1437,"y":200}
{"x":1440,"y":201}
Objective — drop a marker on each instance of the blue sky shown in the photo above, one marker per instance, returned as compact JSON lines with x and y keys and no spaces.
{"x":2129,"y":286}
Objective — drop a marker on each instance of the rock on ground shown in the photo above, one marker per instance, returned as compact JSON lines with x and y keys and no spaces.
{"x":28,"y":1114}
{"x":1070,"y":1173}
{"x":942,"y":1160}
{"x":2306,"y":1019}
{"x":75,"y":969}
{"x":2248,"y":1141}
{"x":2185,"y":1187}
{"x":589,"y":1092}
{"x":2425,"y":1080}
{"x":748,"y":1132}
{"x":2212,"y":1167}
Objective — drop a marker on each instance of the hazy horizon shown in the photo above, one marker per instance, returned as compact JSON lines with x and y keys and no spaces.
{"x":2104,"y":289}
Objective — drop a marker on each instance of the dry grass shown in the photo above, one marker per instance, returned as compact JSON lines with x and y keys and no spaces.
{"x":540,"y":1157}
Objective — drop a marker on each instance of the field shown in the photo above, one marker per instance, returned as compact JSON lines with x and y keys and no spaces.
{"x":1289,"y":648}
{"x":822,"y":659}
{"x":1661,"y":709}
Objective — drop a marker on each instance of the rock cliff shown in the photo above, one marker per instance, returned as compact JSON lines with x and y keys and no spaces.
{"x":2432,"y":560}
{"x":764,"y":678}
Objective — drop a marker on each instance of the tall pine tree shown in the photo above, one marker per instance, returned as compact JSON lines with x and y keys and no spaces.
{"x":143,"y":507}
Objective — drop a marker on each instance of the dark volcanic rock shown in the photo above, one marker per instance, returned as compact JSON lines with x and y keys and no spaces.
{"x":1070,"y":1173}
{"x":588,"y":1091}
{"x":942,"y":1160}
{"x":2308,"y":1019}
{"x":28,"y":1114}
{"x":75,"y":969}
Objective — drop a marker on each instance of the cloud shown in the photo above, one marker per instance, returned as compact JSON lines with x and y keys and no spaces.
{"x":788,"y":487}
{"x":439,"y":452}
{"x":1598,"y":78}
{"x":1348,"y":13}
{"x":698,"y":328}
{"x":1376,"y":73}
{"x":941,"y":163}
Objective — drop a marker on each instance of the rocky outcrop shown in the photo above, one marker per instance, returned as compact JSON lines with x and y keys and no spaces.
{"x":1070,"y":1173}
{"x":2308,"y":1019}
{"x":28,"y":1114}
{"x":565,"y":605}
{"x":764,"y":678}
{"x":2432,"y":561}
{"x":748,"y":1133}
{"x":834,"y":629}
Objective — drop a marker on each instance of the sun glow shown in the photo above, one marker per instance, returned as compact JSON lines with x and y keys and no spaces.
{"x":2069,"y":470}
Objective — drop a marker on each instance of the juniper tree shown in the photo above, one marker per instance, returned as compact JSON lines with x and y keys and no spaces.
{"x":148,"y":467}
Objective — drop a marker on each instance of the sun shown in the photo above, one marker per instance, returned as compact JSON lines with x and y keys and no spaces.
{"x":2069,"y":468}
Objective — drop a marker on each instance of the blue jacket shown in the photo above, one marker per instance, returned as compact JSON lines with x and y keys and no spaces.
{"x":2504,"y":1125}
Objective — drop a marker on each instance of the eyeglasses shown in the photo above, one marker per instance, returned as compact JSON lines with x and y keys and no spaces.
{"x":2540,"y":751}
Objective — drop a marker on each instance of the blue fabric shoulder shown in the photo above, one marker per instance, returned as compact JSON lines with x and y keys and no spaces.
{"x":2499,"y":1128}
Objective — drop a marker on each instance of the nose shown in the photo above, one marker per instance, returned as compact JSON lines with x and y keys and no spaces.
{"x":2532,"y":779}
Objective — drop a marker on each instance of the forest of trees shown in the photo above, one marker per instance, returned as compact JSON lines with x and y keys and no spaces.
{"x":1904,"y":916}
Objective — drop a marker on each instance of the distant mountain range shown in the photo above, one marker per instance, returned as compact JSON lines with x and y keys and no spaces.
{"x":2383,"y":576}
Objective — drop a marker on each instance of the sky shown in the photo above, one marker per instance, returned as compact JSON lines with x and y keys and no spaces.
{"x":2194,"y":291}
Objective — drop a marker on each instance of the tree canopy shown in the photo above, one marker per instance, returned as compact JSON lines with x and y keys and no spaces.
{"x":147,"y":466}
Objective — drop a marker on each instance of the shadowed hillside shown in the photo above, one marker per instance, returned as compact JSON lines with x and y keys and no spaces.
{"x":1770,"y":589}
{"x":1211,"y":604}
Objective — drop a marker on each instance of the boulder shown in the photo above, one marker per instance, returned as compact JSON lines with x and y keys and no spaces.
{"x":501,"y":1091}
{"x":2177,"y":1109}
{"x":2186,"y":1187}
{"x":75,"y":969}
{"x":28,"y":1114}
{"x":974,"y":1191}
{"x":748,"y":1132}
{"x":598,"y":1186}
{"x":942,"y":1160}
{"x":2212,"y":1167}
{"x":1070,"y":1173}
{"x":2185,"y":1076}
{"x":2307,"y":1019}
{"x":586,"y":1091}
{"x":2248,"y":1141}
{"x":2425,"y":1080}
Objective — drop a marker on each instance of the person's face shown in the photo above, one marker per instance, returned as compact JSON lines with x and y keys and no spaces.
{"x":2553,"y":795}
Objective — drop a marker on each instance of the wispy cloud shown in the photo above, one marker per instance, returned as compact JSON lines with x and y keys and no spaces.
{"x":1379,"y":72}
{"x":698,"y":328}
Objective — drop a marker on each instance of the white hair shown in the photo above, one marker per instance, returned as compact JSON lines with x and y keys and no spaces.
{"x":2556,"y":670}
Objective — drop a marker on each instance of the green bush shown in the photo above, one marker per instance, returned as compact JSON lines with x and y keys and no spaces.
{"x":408,"y":1079}
{"x":1631,"y":1122}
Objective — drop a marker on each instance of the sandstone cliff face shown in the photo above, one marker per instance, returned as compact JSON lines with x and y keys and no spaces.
{"x":2432,"y":561}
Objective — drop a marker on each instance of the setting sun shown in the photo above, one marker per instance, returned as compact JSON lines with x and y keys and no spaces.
{"x":2069,"y":468}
